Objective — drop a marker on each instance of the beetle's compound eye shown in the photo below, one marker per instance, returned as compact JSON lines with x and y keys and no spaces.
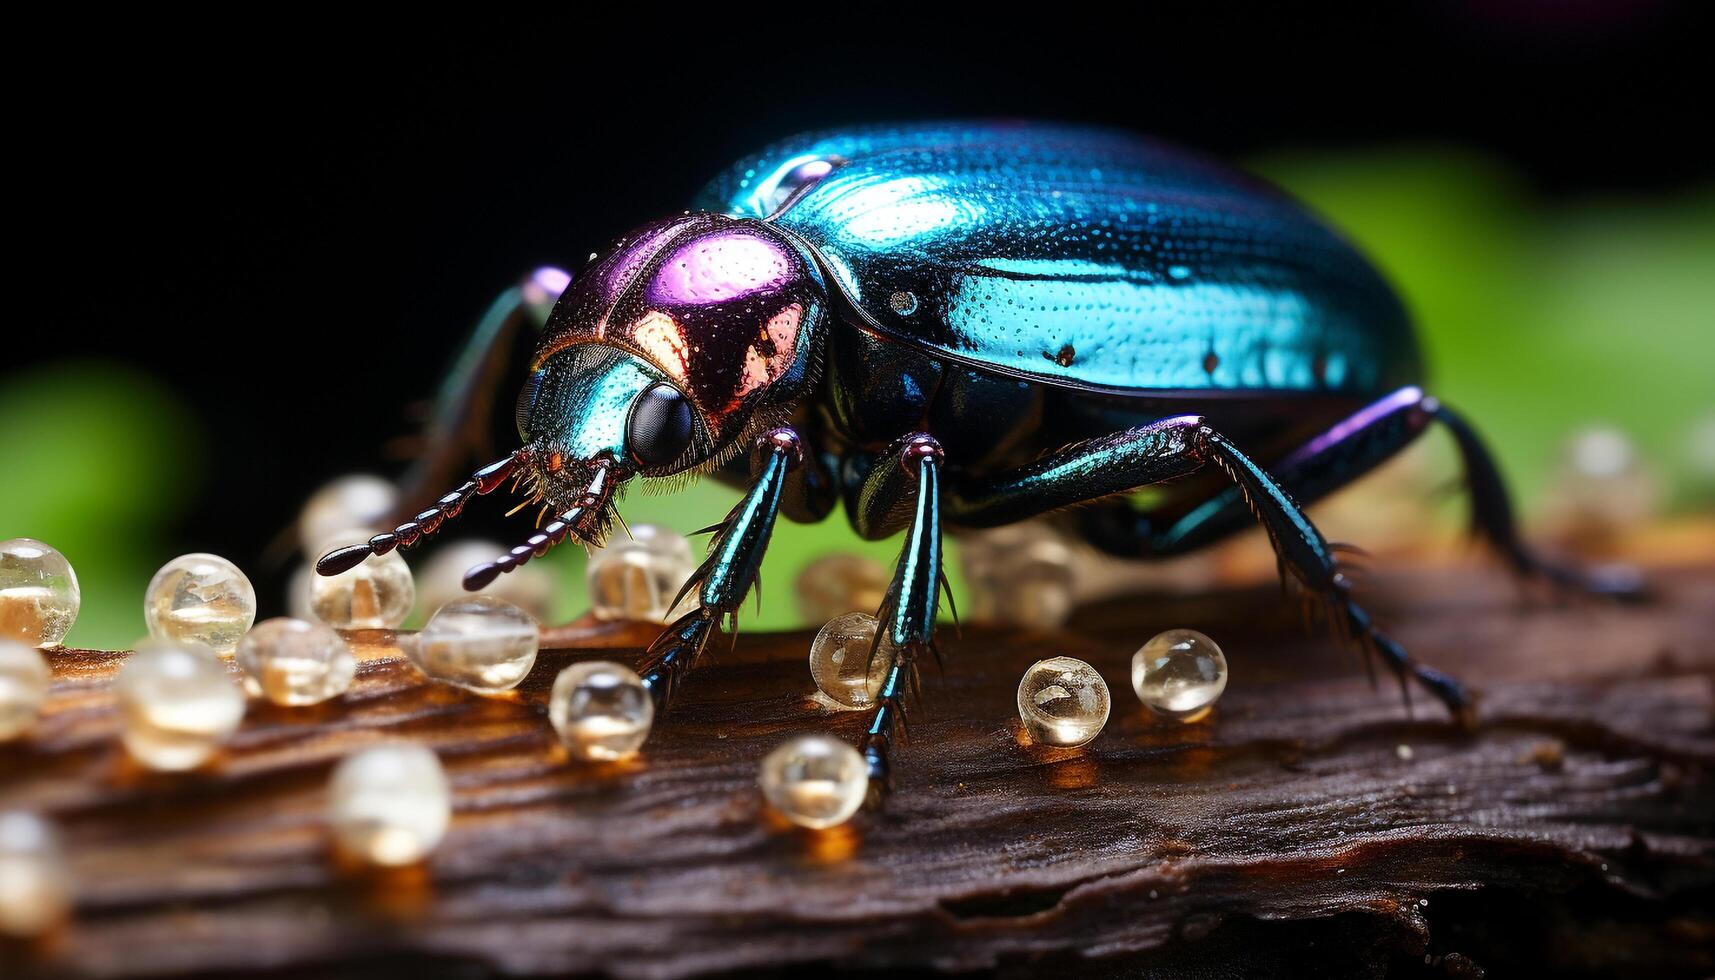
{"x":527,"y":403}
{"x":660,"y":427}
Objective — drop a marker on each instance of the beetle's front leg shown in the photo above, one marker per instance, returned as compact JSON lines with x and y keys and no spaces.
{"x":906,"y":627}
{"x":730,"y":570}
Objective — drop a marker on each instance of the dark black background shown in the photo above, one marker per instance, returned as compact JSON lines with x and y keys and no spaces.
{"x":261,"y":212}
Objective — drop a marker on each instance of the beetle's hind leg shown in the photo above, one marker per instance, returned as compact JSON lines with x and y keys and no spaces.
{"x":905,"y":628}
{"x":1175,"y":447}
{"x":1492,"y":520}
{"x":1307,"y":555}
{"x":1336,"y":458}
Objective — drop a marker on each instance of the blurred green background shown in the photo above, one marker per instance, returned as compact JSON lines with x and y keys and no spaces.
{"x":1539,"y":320}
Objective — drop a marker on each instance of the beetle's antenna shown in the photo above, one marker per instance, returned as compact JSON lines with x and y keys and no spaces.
{"x":486,"y":480}
{"x":586,"y":511}
{"x":535,"y":546}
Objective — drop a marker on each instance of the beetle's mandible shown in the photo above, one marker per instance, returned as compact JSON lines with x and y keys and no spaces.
{"x":966,"y":324}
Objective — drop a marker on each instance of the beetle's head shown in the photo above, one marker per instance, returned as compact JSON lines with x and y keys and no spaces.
{"x":666,"y":355}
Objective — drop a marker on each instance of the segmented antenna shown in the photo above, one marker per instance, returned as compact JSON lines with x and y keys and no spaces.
{"x":486,"y":480}
{"x":594,"y":498}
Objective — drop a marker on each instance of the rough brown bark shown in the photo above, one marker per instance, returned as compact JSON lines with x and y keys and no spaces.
{"x":1573,"y":831}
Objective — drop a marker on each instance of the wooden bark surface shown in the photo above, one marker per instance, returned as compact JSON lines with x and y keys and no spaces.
{"x":1312,"y":824}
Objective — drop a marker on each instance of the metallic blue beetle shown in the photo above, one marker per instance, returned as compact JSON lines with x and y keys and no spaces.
{"x":972,"y":324}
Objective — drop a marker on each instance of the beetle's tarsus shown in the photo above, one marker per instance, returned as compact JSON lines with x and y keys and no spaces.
{"x":1492,"y":521}
{"x":674,"y":652}
{"x":1621,"y":583}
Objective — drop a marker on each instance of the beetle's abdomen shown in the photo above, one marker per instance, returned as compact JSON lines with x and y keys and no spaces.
{"x":1083,"y":258}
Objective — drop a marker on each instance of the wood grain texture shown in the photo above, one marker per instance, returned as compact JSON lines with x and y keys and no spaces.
{"x":1573,"y":831}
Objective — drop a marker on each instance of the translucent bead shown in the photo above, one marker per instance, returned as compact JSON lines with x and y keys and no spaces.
{"x":840,"y":662}
{"x":200,"y":598}
{"x":441,"y":580}
{"x":389,"y":805}
{"x":293,"y":662}
{"x":177,"y":704}
{"x":479,"y":643}
{"x":1019,"y":575}
{"x":836,"y":584}
{"x":39,"y":596}
{"x":815,"y":781}
{"x":1602,"y":487}
{"x":358,"y":500}
{"x":1063,"y":702}
{"x":298,"y":593}
{"x":1700,"y":450}
{"x":376,"y":595}
{"x":637,"y":578}
{"x":24,"y":678}
{"x":1179,"y":674}
{"x":35,"y":878}
{"x":601,"y":710}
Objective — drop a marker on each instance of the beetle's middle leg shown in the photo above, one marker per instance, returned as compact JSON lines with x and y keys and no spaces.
{"x":1174,"y":447}
{"x":905,"y":626}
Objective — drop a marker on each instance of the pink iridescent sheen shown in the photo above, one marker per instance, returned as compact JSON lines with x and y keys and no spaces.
{"x":718,"y":269}
{"x":1399,"y":400}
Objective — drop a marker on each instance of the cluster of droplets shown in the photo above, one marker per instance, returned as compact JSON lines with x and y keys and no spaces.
{"x":1178,"y":675}
{"x":391,"y":804}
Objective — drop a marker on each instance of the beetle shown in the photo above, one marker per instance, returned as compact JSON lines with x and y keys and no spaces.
{"x":965,"y":325}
